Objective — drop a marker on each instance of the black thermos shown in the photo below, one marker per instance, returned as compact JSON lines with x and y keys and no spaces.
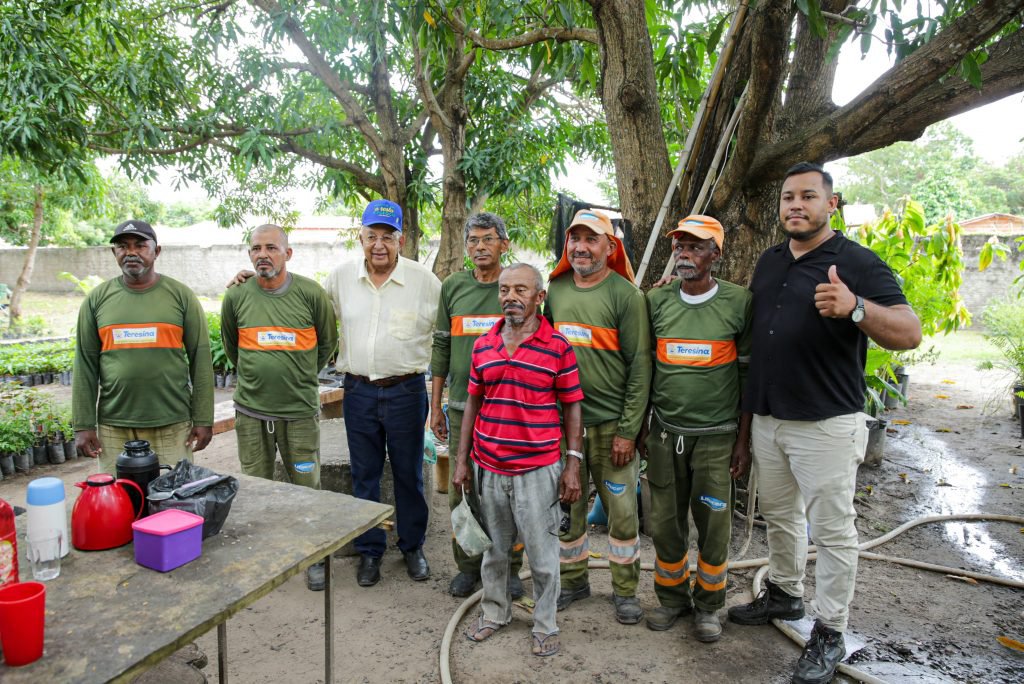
{"x":141,"y":465}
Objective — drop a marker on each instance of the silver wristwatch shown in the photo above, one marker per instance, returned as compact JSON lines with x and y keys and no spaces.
{"x":858,"y":311}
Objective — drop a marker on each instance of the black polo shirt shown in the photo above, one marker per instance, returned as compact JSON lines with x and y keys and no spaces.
{"x":805,"y":366}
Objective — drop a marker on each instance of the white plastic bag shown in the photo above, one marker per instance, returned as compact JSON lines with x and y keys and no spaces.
{"x":468,"y":533}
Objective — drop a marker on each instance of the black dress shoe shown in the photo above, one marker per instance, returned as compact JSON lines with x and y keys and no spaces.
{"x":368,"y":573}
{"x":771,"y":603}
{"x":416,"y":565}
{"x":821,"y":656}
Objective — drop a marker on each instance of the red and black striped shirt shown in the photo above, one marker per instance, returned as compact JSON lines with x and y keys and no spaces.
{"x":518,"y":428}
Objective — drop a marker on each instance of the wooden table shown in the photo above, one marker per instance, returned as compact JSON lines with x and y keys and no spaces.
{"x":108,"y":618}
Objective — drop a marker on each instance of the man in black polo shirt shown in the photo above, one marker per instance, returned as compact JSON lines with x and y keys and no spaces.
{"x":818,"y":297}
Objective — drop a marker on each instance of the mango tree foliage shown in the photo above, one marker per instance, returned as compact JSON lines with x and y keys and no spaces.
{"x":250,"y":98}
{"x":37,"y":207}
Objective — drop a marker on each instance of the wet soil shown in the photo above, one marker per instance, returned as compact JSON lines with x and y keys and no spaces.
{"x":918,"y":626}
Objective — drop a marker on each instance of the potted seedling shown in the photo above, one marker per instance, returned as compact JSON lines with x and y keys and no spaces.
{"x":1004,"y":328}
{"x":67,"y":434}
{"x":881,"y":383}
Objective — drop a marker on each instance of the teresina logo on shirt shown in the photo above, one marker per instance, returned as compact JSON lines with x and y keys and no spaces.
{"x":687,"y":351}
{"x":275,"y":338}
{"x":478,"y":325}
{"x":576,"y":334}
{"x":134,"y":335}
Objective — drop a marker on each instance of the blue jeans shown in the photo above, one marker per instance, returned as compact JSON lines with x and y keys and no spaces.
{"x":388,"y":421}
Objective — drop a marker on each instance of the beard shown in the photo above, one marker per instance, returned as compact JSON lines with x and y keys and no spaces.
{"x":687,"y":271}
{"x":133,"y":268}
{"x":803,"y":235}
{"x":593,"y":267}
{"x":267,"y":271}
{"x":515,"y":315}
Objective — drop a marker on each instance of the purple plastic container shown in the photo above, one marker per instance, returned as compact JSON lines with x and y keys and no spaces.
{"x":168,"y":539}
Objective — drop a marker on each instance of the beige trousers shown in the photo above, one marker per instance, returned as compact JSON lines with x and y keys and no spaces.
{"x":807,"y":474}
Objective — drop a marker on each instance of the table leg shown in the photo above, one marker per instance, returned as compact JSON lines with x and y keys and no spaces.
{"x":329,"y":620}
{"x":222,"y":652}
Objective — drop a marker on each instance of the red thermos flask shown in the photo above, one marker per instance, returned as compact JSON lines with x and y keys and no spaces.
{"x":8,"y":545}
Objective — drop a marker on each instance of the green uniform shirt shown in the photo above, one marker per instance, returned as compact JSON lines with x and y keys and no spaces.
{"x":278,"y":343}
{"x":467,"y":309}
{"x":145,"y":354}
{"x":701,"y":354}
{"x":608,"y":329}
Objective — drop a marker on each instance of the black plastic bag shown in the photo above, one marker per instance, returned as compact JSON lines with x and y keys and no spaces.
{"x":212,"y":502}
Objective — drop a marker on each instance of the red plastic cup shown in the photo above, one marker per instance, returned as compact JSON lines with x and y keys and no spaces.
{"x":22,"y":614}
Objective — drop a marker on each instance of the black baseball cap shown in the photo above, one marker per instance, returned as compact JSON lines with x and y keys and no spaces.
{"x":134,"y":227}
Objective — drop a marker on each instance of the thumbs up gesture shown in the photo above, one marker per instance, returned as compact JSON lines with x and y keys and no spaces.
{"x":834,"y":299}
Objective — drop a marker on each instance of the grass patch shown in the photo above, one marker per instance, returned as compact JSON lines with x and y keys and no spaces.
{"x":968,"y":347}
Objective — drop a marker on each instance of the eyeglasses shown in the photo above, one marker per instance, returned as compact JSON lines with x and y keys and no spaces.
{"x":388,"y":239}
{"x":488,"y":240}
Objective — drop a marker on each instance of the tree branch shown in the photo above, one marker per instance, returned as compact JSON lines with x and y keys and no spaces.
{"x":830,"y":136}
{"x":361,"y":175}
{"x":767,"y":29}
{"x":430,"y":102}
{"x":532,"y":37}
{"x":1001,"y":76}
{"x":342,"y":91}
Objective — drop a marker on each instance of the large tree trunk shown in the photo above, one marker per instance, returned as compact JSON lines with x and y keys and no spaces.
{"x":630,"y":97}
{"x":30,"y":257}
{"x":451,"y":132}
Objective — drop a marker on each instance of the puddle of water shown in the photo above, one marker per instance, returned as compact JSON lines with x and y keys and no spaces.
{"x":966,"y":494}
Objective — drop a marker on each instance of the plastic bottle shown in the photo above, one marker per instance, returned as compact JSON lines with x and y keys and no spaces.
{"x":46,"y":504}
{"x":8,"y":545}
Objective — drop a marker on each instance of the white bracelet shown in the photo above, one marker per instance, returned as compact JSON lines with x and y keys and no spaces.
{"x":578,"y":455}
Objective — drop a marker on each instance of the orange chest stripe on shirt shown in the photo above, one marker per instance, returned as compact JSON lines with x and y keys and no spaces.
{"x":140,"y":336}
{"x":270,"y":338}
{"x":473,"y":325}
{"x":582,"y":335}
{"x":702,"y":353}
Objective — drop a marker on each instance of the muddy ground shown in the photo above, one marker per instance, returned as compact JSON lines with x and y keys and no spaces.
{"x":959,"y":451}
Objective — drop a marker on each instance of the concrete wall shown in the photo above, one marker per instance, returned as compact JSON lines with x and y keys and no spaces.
{"x":981,"y":287}
{"x":204,"y":269}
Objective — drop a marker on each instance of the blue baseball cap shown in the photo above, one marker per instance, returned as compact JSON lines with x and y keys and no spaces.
{"x":383,"y":212}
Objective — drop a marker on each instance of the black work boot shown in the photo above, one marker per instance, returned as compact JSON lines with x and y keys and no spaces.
{"x":771,"y":603}
{"x":463,"y":584}
{"x":821,"y":656}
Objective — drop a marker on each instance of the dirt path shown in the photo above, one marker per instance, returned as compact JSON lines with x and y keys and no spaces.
{"x":919,"y":626}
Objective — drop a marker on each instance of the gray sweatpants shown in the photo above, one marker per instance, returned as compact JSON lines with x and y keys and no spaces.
{"x":526,"y":506}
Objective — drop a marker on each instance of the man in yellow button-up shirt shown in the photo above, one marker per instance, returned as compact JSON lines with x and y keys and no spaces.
{"x":386,"y":305}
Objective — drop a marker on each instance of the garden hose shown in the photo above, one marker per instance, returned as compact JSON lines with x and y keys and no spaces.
{"x":762,"y":565}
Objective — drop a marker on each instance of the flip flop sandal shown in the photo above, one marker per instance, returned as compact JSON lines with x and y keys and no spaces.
{"x":545,"y":645}
{"x":481,"y":629}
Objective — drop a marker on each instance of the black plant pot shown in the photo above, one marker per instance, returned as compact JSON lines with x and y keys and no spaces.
{"x":7,"y":464}
{"x":25,"y":380}
{"x":39,"y":454}
{"x":38,"y":379}
{"x":218,"y":380}
{"x":230,"y":379}
{"x":70,"y":452}
{"x":1017,"y":400}
{"x":55,"y":452}
{"x":23,"y":460}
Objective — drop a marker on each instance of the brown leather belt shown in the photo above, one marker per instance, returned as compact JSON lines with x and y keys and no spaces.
{"x":384,"y":382}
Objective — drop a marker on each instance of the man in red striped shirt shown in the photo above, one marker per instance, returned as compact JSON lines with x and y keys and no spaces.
{"x":520,"y":371}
